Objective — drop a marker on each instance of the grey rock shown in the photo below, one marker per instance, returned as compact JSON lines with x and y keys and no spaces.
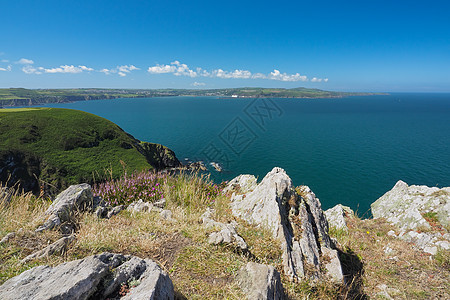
{"x":95,"y":277}
{"x":154,"y":284}
{"x":296,"y":220}
{"x":337,"y":215}
{"x":242,"y":184}
{"x":60,"y":246}
{"x":227,"y":233}
{"x":76,"y":197}
{"x":260,"y":282}
{"x":333,"y":265}
{"x":8,"y":237}
{"x":404,"y":205}
{"x":140,"y":206}
{"x":114,"y":211}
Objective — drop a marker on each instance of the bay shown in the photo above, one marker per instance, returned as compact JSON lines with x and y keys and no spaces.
{"x":348,"y":150}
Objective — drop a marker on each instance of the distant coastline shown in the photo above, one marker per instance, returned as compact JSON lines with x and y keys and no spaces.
{"x":28,"y":97}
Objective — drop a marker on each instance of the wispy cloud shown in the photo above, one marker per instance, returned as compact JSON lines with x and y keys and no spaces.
{"x":7,"y":69}
{"x":120,"y":70}
{"x":180,"y":69}
{"x":5,"y":61}
{"x":199,"y":84}
{"x":29,"y":69}
{"x":25,"y":61}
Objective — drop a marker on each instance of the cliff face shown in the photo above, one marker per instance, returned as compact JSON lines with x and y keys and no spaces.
{"x":159,"y":156}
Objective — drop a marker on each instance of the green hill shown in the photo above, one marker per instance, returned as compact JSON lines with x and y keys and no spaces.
{"x":58,"y":147}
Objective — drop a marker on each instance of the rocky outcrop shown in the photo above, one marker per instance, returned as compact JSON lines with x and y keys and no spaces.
{"x":226,"y":235}
{"x":421,"y":213}
{"x":260,"y":282}
{"x":93,"y":277}
{"x":295,"y":218}
{"x":337,"y":216}
{"x":405,"y":206}
{"x":158,"y":155}
{"x":76,"y":197}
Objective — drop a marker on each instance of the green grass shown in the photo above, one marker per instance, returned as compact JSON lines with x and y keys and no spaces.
{"x":62,"y":146}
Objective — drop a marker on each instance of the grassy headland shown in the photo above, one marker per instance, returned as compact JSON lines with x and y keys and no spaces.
{"x":26,"y":97}
{"x":59,"y":147}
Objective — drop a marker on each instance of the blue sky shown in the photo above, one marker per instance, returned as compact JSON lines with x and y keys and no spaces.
{"x":332,"y":45}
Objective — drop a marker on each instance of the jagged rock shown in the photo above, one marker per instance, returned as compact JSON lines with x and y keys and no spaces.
{"x":404,"y":205}
{"x":227,"y":233}
{"x":260,"y":282}
{"x":140,"y":206}
{"x":242,"y":184}
{"x":336,"y":216}
{"x":95,"y":277}
{"x":76,"y":197}
{"x":295,"y":219}
{"x":60,"y":246}
{"x":8,"y":237}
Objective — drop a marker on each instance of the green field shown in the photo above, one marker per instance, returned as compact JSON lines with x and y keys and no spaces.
{"x":59,"y":147}
{"x":26,"y":97}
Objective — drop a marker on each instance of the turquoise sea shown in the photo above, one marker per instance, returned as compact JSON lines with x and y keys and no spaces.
{"x":348,"y":150}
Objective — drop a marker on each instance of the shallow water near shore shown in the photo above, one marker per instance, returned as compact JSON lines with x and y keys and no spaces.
{"x":348,"y":150}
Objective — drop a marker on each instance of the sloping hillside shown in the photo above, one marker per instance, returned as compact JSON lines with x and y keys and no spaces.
{"x":55,"y":147}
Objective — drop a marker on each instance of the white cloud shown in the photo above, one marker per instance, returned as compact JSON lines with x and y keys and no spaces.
{"x":25,"y":61}
{"x":120,"y":70}
{"x":68,"y":69}
{"x":8,"y":68}
{"x":29,"y":69}
{"x":199,"y":84}
{"x":180,"y":69}
{"x":277,"y":75}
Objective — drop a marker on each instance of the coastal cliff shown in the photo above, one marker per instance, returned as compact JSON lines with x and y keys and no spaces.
{"x":52,"y":148}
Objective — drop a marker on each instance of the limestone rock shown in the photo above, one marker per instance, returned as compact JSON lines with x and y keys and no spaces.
{"x":227,"y":233}
{"x":260,"y":282}
{"x":75,"y":197}
{"x":242,"y":184}
{"x":95,"y":277}
{"x":405,"y":205}
{"x":140,"y":206}
{"x":57,"y":247}
{"x":336,"y":216}
{"x":295,"y":218}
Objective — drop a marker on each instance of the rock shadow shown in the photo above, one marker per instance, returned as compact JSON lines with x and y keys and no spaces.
{"x":353,"y":270}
